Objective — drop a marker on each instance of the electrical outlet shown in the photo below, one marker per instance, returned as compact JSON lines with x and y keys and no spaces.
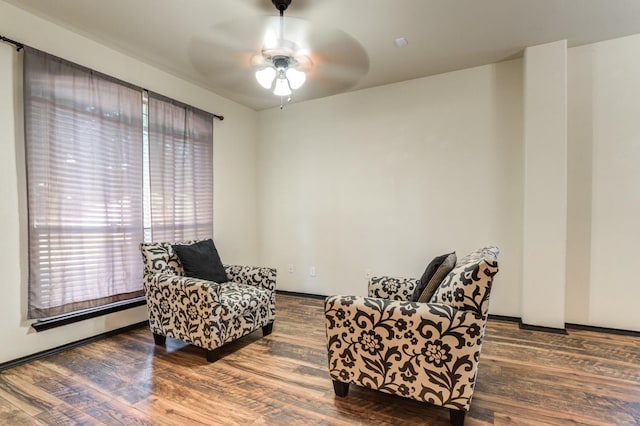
{"x":312,"y":271}
{"x":291,"y":268}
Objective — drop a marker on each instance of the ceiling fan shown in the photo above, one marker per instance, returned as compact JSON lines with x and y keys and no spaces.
{"x":257,"y":56}
{"x":281,"y":60}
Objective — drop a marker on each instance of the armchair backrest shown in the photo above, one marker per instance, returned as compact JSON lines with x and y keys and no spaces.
{"x":160,"y":258}
{"x":468,"y":285}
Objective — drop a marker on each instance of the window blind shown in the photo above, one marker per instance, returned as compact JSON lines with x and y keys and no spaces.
{"x":180,"y":170}
{"x":83,"y":134}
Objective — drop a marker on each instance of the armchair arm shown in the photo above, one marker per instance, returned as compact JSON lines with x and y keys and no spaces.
{"x":424,"y":351}
{"x":392,"y":288}
{"x":252,"y":275}
{"x":183,"y":308}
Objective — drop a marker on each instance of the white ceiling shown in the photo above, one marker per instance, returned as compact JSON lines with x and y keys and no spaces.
{"x":210,"y":42}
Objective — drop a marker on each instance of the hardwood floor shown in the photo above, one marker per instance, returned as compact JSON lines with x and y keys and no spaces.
{"x":525,"y":378}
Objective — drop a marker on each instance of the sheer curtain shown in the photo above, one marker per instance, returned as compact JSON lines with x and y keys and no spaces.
{"x":83,"y":133}
{"x":181,"y":170}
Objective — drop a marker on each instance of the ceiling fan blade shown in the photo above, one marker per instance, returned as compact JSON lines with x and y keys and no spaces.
{"x":336,"y":74}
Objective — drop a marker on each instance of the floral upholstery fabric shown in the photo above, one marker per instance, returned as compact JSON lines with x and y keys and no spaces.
{"x":392,"y":288}
{"x":264,"y":278}
{"x":236,"y":299}
{"x":200,"y":312}
{"x":182,"y":308}
{"x":160,"y":258}
{"x":425,"y":351}
{"x":245,"y":323}
{"x":468,"y":285}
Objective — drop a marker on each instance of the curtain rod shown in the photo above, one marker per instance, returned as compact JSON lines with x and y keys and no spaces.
{"x":20,"y":46}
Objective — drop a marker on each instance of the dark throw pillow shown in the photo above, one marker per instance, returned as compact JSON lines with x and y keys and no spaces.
{"x":438,"y":277}
{"x":428,"y":277}
{"x":201,"y":260}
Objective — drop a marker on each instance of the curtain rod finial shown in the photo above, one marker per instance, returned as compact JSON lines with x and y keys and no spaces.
{"x":19,"y":46}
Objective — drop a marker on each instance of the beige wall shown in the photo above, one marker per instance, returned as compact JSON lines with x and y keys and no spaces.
{"x":604,"y":184}
{"x":387,"y":178}
{"x":234,"y":173}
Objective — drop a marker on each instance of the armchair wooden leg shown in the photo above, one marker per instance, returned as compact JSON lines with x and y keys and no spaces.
{"x":267,"y":329}
{"x":340,"y":388}
{"x":159,"y":339}
{"x":212,"y":354}
{"x":456,"y":417}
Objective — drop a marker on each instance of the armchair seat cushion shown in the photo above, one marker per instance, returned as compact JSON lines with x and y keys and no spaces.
{"x":236,"y":299}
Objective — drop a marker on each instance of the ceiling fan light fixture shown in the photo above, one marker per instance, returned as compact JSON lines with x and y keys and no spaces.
{"x":265,"y":77}
{"x":282,"y":87}
{"x":296,"y":78}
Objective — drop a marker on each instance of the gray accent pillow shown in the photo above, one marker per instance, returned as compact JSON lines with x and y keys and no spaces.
{"x":443,"y":270}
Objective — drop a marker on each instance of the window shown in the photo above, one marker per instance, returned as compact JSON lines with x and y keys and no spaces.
{"x":86,"y":175}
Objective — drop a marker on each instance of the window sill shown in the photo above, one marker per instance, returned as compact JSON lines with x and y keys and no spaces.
{"x":62,"y":320}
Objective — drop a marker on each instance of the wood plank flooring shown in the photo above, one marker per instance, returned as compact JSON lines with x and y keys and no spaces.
{"x":525,"y":378}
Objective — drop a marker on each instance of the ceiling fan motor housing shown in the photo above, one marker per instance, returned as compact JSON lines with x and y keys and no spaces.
{"x":281,"y":62}
{"x":281,"y":5}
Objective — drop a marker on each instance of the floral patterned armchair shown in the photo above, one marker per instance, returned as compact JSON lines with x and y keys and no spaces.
{"x":205,"y":313}
{"x":424,"y":351}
